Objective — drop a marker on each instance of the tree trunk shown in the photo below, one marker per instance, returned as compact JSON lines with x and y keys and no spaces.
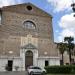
{"x":70,"y":56}
{"x":62,"y":59}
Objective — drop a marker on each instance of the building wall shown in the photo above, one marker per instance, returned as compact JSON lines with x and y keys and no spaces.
{"x":16,"y":62}
{"x":3,"y":63}
{"x":13,"y":35}
{"x":51,"y":61}
{"x":12,"y":26}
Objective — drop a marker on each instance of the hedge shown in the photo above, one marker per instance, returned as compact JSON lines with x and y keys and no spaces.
{"x":67,"y":69}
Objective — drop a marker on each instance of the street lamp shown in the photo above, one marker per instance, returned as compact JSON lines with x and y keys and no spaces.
{"x":73,"y":8}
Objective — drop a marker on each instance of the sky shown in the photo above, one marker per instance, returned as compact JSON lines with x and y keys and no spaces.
{"x":63,"y":17}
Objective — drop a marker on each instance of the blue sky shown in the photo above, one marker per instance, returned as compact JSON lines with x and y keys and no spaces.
{"x":63,"y":20}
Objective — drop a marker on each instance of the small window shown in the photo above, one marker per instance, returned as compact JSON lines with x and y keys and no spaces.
{"x":10,"y":65}
{"x":46,"y":63}
{"x":29,"y":25}
{"x":29,"y":7}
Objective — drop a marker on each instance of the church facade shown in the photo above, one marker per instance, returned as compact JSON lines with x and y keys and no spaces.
{"x":26,"y":38}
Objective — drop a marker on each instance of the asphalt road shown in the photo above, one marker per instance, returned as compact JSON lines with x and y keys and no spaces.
{"x":13,"y":73}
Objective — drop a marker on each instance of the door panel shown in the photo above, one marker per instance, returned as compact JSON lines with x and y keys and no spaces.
{"x":28,"y":59}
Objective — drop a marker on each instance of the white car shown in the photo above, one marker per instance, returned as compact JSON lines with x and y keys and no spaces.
{"x":34,"y":70}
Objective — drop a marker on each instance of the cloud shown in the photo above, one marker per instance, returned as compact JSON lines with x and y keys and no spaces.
{"x":60,"y":39}
{"x":67,"y":23}
{"x":57,"y":31}
{"x":9,"y":2}
{"x":6,"y":2}
{"x":60,"y":5}
{"x":66,"y":33}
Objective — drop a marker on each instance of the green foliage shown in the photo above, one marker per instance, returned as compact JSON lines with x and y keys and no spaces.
{"x":67,"y":69}
{"x":69,"y":39}
{"x":69,"y":46}
{"x":62,"y":47}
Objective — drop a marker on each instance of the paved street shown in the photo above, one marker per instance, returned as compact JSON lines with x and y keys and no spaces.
{"x":13,"y":73}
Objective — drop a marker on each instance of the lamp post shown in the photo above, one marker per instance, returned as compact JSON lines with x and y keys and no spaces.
{"x":73,"y":7}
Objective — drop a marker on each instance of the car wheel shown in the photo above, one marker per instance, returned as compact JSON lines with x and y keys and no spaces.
{"x":31,"y":73}
{"x":28,"y":74}
{"x":43,"y":73}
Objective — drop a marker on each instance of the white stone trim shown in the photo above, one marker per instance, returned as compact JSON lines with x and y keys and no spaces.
{"x":35,"y":56}
{"x":10,"y":57}
{"x":49,"y":57}
{"x":52,"y":61}
{"x":17,"y":61}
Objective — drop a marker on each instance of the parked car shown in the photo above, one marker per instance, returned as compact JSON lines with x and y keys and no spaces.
{"x":35,"y":70}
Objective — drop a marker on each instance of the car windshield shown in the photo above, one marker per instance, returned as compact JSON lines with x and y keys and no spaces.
{"x":35,"y":68}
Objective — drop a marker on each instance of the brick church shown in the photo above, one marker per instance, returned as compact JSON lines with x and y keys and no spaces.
{"x":26,"y":38}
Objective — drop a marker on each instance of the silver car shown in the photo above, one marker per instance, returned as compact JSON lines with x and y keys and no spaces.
{"x":34,"y":70}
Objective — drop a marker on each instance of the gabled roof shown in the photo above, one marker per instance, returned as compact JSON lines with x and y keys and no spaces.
{"x":14,"y":8}
{"x":29,"y":46}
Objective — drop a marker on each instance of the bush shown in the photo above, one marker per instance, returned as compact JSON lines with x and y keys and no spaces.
{"x":67,"y":69}
{"x":73,"y":69}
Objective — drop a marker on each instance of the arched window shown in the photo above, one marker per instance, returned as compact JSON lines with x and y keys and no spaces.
{"x":29,"y":25}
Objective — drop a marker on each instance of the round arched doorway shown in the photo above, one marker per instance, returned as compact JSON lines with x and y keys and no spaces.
{"x":28,"y":58}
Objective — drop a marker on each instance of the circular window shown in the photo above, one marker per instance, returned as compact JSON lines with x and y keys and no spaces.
{"x":29,"y":25}
{"x":29,"y":7}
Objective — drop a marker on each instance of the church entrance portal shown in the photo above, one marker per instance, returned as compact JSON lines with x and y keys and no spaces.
{"x":28,"y":58}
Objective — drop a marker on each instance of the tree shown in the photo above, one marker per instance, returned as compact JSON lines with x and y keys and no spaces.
{"x":70,"y":46}
{"x":62,"y":47}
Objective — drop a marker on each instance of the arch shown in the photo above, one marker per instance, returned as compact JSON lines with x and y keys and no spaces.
{"x":29,"y":25}
{"x":28,"y":58}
